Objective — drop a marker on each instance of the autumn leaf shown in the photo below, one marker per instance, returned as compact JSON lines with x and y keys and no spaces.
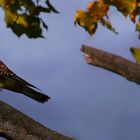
{"x":98,"y":9}
{"x":137,"y":10}
{"x":108,"y":25}
{"x":138,"y":26}
{"x":85,"y":20}
{"x":89,"y":20}
{"x":126,"y":7}
{"x":136,"y":53}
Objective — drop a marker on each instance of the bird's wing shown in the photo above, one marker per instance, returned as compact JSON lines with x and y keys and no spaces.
{"x":6,"y":72}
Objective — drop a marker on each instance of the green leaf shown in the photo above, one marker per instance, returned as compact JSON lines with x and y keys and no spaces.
{"x":51,"y":7}
{"x":23,"y":16}
{"x":44,"y":24}
{"x":28,"y":5}
{"x":34,"y":30}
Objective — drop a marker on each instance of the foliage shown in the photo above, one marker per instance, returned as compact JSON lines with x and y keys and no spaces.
{"x":97,"y":12}
{"x":136,"y":53}
{"x":23,"y":16}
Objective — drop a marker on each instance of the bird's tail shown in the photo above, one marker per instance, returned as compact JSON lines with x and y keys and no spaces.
{"x":24,"y":89}
{"x":38,"y":96}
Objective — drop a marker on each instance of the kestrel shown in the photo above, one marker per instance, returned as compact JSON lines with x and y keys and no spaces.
{"x":10,"y":81}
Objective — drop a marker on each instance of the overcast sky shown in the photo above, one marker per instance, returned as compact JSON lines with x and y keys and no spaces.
{"x":88,"y":103}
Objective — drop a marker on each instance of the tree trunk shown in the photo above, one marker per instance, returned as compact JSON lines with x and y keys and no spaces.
{"x":15,"y":125}
{"x":112,"y":62}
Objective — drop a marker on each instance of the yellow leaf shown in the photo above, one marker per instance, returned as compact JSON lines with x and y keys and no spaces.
{"x":11,"y":18}
{"x":126,"y":7}
{"x":138,"y":27}
{"x":22,"y":20}
{"x":85,"y":20}
{"x":136,"y":53}
{"x":98,"y":9}
{"x":89,"y":19}
{"x":108,"y":25}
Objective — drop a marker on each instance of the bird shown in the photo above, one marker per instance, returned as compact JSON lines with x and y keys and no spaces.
{"x":10,"y":81}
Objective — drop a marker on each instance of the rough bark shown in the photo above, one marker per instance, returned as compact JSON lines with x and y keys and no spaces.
{"x":112,"y":62}
{"x":15,"y":125}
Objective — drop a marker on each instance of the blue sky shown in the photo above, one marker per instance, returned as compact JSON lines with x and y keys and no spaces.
{"x":87,"y":102}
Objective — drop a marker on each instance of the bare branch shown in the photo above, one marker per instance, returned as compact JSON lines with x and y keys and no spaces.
{"x":15,"y":125}
{"x":112,"y":62}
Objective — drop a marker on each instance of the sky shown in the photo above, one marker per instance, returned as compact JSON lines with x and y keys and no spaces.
{"x":87,"y":102}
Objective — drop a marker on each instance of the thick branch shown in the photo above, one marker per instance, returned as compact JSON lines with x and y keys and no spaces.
{"x":15,"y":125}
{"x":112,"y":62}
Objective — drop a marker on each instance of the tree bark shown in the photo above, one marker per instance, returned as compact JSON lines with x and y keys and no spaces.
{"x":112,"y":62}
{"x":15,"y":125}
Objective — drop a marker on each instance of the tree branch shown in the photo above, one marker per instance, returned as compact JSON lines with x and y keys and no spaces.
{"x":15,"y":125}
{"x":112,"y":62}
